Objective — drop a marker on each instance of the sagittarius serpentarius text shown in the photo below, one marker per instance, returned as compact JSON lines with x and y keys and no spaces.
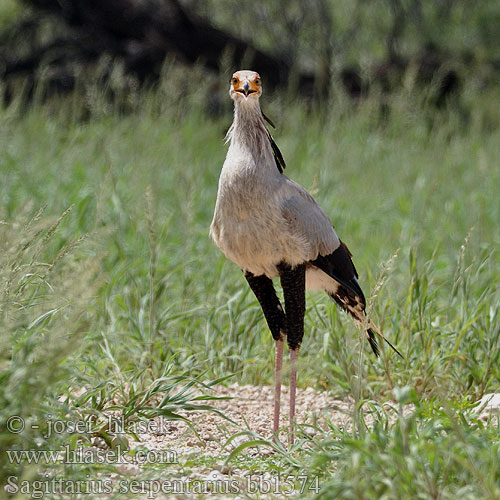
{"x":271,"y":226}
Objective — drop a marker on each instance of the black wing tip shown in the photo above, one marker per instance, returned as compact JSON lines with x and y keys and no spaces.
{"x":373,"y":342}
{"x":339,"y":266}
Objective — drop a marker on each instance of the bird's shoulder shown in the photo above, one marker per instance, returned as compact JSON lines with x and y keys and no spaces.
{"x":305,"y":216}
{"x":296,"y":199}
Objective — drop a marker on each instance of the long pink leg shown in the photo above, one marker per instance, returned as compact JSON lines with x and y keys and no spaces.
{"x":293,"y":386}
{"x":277,"y":387}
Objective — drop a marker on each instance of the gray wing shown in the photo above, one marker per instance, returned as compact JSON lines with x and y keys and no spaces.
{"x":306,"y":218}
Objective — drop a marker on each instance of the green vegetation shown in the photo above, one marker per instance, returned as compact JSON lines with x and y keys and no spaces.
{"x":126,"y":297}
{"x":9,"y":11}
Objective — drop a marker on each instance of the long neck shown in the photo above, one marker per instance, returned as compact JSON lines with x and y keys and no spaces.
{"x":248,"y":130}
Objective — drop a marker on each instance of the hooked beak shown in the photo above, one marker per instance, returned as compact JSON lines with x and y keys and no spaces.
{"x":246,"y":89}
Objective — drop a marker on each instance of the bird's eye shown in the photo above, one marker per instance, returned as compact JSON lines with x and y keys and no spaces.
{"x":234,"y":80}
{"x":257,"y":82}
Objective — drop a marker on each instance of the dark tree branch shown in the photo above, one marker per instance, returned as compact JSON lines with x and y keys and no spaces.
{"x":163,"y":27}
{"x":140,"y":34}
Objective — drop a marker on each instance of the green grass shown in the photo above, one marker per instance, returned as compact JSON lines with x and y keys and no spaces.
{"x":143,"y":186}
{"x":431,"y":452}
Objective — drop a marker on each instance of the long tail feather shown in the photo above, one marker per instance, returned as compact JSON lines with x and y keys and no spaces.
{"x":344,"y":289}
{"x":373,"y":329}
{"x":373,"y":342}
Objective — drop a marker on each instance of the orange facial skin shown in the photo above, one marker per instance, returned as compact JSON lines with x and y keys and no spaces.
{"x":246,"y":83}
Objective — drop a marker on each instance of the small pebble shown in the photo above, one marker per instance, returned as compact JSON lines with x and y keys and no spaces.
{"x":490,"y":402}
{"x":215,"y":475}
{"x":129,"y":469}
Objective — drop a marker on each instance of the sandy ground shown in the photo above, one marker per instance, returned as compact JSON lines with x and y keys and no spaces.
{"x":194,"y":456}
{"x":251,"y":408}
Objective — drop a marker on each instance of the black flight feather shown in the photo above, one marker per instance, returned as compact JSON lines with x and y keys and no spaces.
{"x":339,"y":266}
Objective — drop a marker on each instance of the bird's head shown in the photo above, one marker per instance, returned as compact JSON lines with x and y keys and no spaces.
{"x":245,"y":86}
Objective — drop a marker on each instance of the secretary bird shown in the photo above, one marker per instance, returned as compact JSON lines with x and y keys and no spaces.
{"x":271,"y":226}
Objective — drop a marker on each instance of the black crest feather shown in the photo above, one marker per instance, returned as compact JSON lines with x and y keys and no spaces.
{"x":278,"y":157}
